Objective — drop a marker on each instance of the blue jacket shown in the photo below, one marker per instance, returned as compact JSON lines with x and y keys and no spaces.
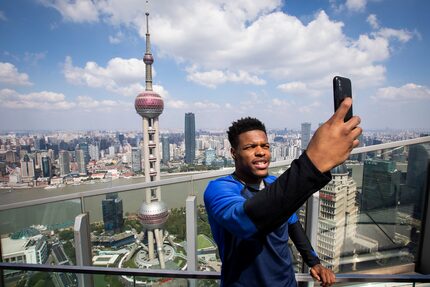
{"x":253,"y":245}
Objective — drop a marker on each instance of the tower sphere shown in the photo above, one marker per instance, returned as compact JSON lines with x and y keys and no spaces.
{"x":148,"y":59}
{"x":153,"y":215}
{"x":149,"y":104}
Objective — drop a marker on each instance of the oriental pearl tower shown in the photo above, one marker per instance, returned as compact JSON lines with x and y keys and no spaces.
{"x":153,"y":212}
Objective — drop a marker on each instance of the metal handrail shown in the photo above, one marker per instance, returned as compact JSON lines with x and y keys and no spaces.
{"x":189,"y":178}
{"x":161,"y":273}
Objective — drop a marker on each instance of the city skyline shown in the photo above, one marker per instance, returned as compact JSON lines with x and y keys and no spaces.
{"x":78,"y":65}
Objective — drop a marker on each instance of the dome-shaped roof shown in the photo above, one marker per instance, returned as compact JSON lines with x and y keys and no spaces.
{"x":149,"y":104}
{"x":153,"y":215}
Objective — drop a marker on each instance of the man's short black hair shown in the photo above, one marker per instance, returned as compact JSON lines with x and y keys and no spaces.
{"x":241,"y":126}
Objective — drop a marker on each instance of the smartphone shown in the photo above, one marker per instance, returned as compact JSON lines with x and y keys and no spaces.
{"x":341,"y":90}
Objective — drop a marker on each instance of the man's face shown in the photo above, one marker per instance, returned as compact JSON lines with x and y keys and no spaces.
{"x":252,"y":156}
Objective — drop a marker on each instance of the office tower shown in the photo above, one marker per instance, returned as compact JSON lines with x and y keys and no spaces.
{"x":64,"y":162}
{"x":27,"y":168}
{"x":40,"y":144}
{"x":416,"y":178}
{"x":381,"y":185}
{"x":209,"y":156}
{"x":153,"y":212}
{"x":380,"y":195}
{"x":190,"y":138}
{"x":94,"y":152}
{"x":305,"y":135}
{"x":112,"y":213}
{"x":166,"y":149}
{"x":46,"y":166}
{"x":85,"y":148}
{"x":11,"y":156}
{"x":136,"y":159}
{"x":80,"y":159}
{"x":337,"y":227}
{"x":121,"y":139}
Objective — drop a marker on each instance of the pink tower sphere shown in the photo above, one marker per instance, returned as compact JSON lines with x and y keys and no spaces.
{"x":149,"y":104}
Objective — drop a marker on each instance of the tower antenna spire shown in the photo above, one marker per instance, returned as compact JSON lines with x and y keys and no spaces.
{"x":148,"y":59}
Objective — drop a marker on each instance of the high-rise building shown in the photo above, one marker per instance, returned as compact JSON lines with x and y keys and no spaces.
{"x":80,"y":159}
{"x":190,"y":138}
{"x":94,"y":153}
{"x":305,"y":135}
{"x":337,"y":225}
{"x":380,"y":196}
{"x":113,"y":219}
{"x":209,"y":156}
{"x":27,"y":168}
{"x":381,"y":185}
{"x":85,"y":148}
{"x":11,"y":156}
{"x":64,"y":162}
{"x":136,"y":159}
{"x":416,"y":178}
{"x":46,"y":166}
{"x":166,"y":149}
{"x":153,"y":213}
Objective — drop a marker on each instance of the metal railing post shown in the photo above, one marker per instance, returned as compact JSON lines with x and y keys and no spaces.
{"x":1,"y":270}
{"x":191,"y":226}
{"x":311,"y":227}
{"x":82,"y":234}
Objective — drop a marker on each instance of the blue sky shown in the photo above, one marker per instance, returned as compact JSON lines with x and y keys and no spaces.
{"x":77,"y":65}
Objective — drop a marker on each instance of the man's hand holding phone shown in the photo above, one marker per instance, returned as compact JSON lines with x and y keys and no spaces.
{"x":333,"y":142}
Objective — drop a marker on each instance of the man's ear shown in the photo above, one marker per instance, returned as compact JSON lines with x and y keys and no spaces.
{"x":233,"y":153}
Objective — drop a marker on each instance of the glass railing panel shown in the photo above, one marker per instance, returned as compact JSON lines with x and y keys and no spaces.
{"x":207,"y":250}
{"x":370,"y":213}
{"x":119,"y":239}
{"x":39,"y":234}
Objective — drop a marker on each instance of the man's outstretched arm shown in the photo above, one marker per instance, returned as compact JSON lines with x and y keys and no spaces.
{"x":330,"y":146}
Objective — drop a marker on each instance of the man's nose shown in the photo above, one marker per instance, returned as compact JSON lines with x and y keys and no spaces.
{"x":259,"y":151}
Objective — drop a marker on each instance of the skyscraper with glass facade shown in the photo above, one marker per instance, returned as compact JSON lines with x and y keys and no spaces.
{"x":166,"y":149}
{"x":112,"y":213}
{"x":64,"y":162}
{"x":305,"y":135}
{"x":190,"y":138}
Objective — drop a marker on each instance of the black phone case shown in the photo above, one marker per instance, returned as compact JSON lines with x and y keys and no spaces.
{"x":341,"y":90}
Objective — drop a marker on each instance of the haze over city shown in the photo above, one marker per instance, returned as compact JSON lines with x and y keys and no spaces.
{"x":77,"y":65}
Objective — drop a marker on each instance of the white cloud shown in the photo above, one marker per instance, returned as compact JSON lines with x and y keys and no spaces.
{"x":293,"y":87}
{"x":74,"y":10}
{"x":34,"y":58}
{"x":356,"y":5}
{"x":177,"y":104}
{"x":3,"y":16}
{"x":280,"y":103}
{"x":9,"y":75}
{"x":35,"y":101}
{"x":206,"y":105}
{"x":373,"y":21}
{"x":120,"y":76}
{"x":90,"y":104}
{"x":407,"y":93}
{"x":309,"y":108}
{"x":401,"y":35}
{"x":248,"y":41}
{"x":214,"y":78}
{"x":117,"y":38}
